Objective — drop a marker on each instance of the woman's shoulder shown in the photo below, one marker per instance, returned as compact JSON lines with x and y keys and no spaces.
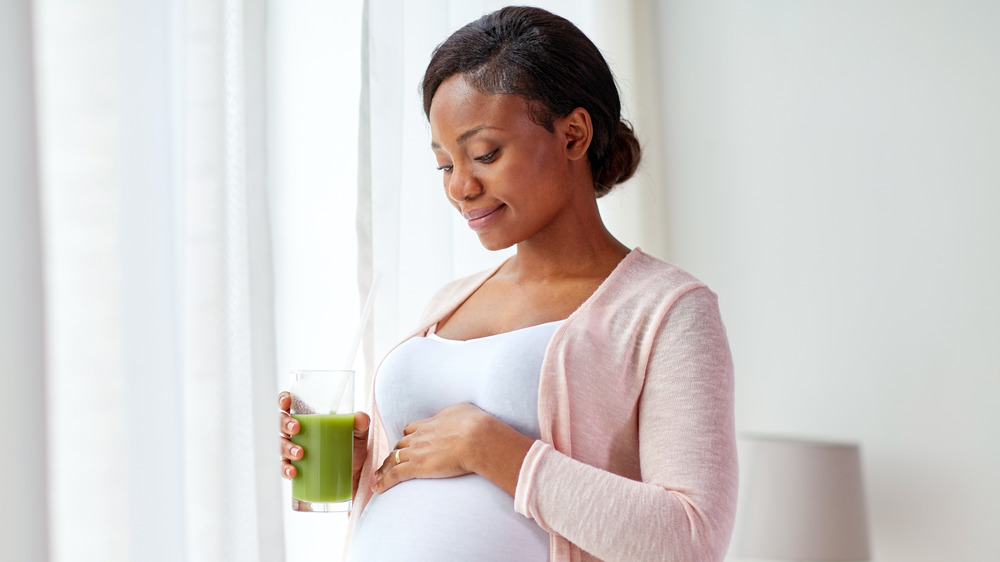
{"x":454,"y":292}
{"x":639,"y":295}
{"x":647,"y":277}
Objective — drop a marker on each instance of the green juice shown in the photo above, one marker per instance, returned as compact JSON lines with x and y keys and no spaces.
{"x":324,"y":471}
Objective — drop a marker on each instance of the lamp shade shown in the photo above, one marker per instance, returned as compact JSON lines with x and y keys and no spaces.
{"x":802,"y":500}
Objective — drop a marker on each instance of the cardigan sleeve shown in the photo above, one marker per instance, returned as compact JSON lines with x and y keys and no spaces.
{"x":684,"y":507}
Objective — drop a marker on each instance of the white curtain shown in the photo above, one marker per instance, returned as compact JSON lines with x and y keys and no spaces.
{"x":160,"y":378}
{"x":409,"y":232}
{"x":23,"y":507}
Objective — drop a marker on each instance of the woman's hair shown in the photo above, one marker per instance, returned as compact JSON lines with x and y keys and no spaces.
{"x":549,"y":62}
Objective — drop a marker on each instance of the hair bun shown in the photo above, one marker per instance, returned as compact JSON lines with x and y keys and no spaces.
{"x":621,"y":162}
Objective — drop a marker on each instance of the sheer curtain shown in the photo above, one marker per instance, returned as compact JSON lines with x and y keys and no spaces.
{"x":23,"y":509}
{"x":159,"y":376}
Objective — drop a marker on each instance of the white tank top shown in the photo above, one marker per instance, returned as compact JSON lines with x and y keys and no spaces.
{"x":468,"y":517}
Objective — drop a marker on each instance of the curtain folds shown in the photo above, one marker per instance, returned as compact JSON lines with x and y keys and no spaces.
{"x":23,"y":493}
{"x":158,"y":281}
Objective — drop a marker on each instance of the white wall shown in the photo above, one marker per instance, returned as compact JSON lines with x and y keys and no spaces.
{"x":832,"y":172}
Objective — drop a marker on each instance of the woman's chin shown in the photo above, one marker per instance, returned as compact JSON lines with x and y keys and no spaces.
{"x":493,"y":244}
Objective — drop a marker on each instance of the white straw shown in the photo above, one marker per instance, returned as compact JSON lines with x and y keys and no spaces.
{"x":365,"y":313}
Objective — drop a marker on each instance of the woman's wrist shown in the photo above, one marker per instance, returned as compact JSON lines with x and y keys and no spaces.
{"x":497,"y":452}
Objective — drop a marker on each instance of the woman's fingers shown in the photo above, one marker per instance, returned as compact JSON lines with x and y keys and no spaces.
{"x":290,"y":450}
{"x":434,"y":447}
{"x":289,"y":425}
{"x":392,"y":471}
{"x":397,"y":468}
{"x":460,"y":439}
{"x":361,"y":424}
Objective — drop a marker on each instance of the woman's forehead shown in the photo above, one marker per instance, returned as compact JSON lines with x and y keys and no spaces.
{"x":459,"y":107}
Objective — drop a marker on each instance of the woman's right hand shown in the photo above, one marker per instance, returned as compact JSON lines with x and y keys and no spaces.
{"x":289,"y":426}
{"x":292,"y":452}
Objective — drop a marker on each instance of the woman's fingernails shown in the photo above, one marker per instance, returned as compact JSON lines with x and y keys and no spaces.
{"x":295,"y":451}
{"x":290,"y":425}
{"x":288,"y":472}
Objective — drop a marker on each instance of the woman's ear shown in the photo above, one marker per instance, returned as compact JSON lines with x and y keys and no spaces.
{"x":578,"y":131}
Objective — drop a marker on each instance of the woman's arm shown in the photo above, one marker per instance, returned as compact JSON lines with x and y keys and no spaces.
{"x":684,"y":507}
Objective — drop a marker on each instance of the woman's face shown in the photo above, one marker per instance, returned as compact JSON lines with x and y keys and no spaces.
{"x":508,"y":176}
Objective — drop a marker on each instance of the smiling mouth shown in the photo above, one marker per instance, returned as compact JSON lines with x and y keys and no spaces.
{"x":479,"y":218}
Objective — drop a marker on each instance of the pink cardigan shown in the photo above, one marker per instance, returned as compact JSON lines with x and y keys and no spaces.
{"x":637,"y":459}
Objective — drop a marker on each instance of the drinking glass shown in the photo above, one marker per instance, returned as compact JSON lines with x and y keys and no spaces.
{"x":323,"y":403}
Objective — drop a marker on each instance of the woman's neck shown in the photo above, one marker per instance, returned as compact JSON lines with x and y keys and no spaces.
{"x":583,"y":248}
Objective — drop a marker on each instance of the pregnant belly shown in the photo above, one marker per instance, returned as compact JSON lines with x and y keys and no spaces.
{"x":461,"y":519}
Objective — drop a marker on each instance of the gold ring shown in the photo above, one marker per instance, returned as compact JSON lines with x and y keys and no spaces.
{"x":397,"y":457}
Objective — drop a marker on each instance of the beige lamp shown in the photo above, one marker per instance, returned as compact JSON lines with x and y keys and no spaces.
{"x":800,"y":500}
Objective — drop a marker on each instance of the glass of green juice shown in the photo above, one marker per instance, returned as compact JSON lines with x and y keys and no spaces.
{"x":323,"y":403}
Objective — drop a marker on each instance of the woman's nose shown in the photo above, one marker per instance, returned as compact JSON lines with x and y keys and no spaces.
{"x":463,"y":185}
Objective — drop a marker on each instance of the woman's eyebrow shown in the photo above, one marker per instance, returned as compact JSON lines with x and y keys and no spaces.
{"x":469,"y":134}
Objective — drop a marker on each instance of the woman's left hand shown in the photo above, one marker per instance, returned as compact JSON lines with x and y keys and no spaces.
{"x":441,"y":446}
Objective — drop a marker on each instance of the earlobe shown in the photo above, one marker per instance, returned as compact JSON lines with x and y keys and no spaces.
{"x":578,"y":131}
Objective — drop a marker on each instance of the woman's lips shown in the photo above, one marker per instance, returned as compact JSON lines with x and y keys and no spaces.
{"x":478,"y":218}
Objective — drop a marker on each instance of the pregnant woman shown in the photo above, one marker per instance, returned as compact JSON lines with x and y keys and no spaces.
{"x":576,"y":401}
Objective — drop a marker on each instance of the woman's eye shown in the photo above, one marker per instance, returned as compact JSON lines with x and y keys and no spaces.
{"x":445,"y":168}
{"x":487,"y":158}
